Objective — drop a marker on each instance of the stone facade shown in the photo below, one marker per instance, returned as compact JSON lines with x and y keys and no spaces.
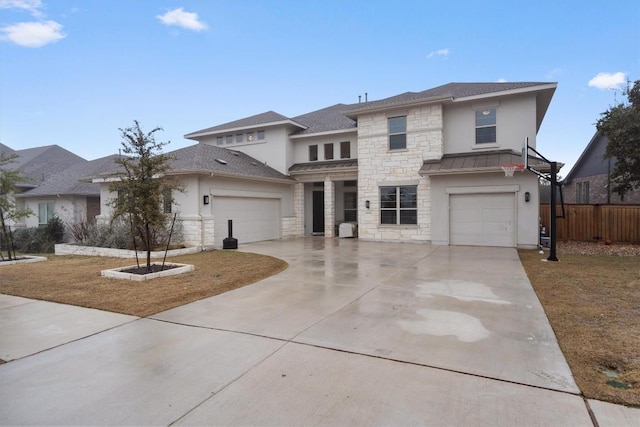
{"x":598,"y":192}
{"x":379,"y":166}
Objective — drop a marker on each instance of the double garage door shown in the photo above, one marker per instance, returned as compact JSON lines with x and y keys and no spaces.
{"x":482,"y":219}
{"x":254,"y":219}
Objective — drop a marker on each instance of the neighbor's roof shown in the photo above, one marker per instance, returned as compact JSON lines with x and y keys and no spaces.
{"x":263,"y":119}
{"x":491,"y":161}
{"x":211,"y":160}
{"x":74,"y":180}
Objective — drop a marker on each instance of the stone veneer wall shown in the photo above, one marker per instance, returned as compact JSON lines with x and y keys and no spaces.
{"x":378,"y":166}
{"x":294,"y":226}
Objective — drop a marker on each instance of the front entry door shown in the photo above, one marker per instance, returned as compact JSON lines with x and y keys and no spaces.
{"x":318,"y":212}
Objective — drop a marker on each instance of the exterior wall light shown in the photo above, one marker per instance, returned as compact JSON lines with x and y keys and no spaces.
{"x":205,"y":199}
{"x":367,"y":204}
{"x":527,"y":196}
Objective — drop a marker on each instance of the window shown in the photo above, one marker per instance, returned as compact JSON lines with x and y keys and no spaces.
{"x":219,"y":140}
{"x":328,"y":151}
{"x":486,"y":126}
{"x":313,"y":153}
{"x":239,"y":137}
{"x":249,"y":136}
{"x":229,"y":139}
{"x":582,"y":192}
{"x":399,"y":205}
{"x":351,"y":207}
{"x":345,"y":150}
{"x":45,"y":212}
{"x":166,"y":201}
{"x":260,"y":135}
{"x":397,"y":133}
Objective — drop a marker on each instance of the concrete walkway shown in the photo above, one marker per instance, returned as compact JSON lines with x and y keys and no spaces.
{"x":352,"y":333}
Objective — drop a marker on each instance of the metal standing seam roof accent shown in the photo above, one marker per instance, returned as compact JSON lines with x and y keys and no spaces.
{"x":488,"y":161}
{"x":329,"y":166}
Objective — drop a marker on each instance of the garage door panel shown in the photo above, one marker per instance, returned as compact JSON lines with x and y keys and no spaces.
{"x":254,"y":219}
{"x":482,"y":219}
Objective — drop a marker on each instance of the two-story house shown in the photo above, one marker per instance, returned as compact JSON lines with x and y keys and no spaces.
{"x":416,"y":167}
{"x":589,"y":181}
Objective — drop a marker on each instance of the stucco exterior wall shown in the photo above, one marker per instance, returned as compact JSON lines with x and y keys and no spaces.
{"x":70,"y":209}
{"x":526,"y":213}
{"x":301,"y":146}
{"x":515,"y":120}
{"x":378,"y":166}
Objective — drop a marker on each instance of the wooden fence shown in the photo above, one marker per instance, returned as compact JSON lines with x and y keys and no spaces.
{"x":618,"y":223}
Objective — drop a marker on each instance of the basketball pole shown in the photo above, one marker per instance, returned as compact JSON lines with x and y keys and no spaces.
{"x":553,"y":180}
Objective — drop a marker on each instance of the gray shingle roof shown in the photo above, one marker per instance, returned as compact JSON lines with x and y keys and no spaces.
{"x":448,"y":91}
{"x":326,"y":119}
{"x":201,"y":159}
{"x":74,"y":179}
{"x":247,"y":122}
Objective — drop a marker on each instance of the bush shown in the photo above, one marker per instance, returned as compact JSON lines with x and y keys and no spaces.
{"x":118,"y":236}
{"x":39,"y":239}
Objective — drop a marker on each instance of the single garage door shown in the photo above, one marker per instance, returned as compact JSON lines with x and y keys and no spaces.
{"x":482,"y":219}
{"x":254,"y":219}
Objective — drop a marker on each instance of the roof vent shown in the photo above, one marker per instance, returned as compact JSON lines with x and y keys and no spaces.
{"x":235,"y":153}
{"x":222,"y":162}
{"x":254,"y":164}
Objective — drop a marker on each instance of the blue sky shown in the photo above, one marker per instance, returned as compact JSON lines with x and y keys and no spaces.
{"x":74,"y":71}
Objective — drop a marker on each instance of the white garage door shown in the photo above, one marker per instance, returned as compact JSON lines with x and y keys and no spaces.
{"x":254,"y":219}
{"x":482,"y":219}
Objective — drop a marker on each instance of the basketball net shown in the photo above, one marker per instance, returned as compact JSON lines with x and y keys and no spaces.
{"x":510,"y":168}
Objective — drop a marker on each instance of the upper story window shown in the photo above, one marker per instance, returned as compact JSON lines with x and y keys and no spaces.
{"x":250,"y":136}
{"x":345,"y":150}
{"x":260,"y":135}
{"x":229,"y":139}
{"x":328,"y":151}
{"x":239,"y":137}
{"x":399,"y":205}
{"x":313,"y":153}
{"x":486,"y":126}
{"x":219,"y":140}
{"x":397,"y":133}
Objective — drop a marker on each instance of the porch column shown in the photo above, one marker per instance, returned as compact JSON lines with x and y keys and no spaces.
{"x":329,"y":208}
{"x":298,"y":208}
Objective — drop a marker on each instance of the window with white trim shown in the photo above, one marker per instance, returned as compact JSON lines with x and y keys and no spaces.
{"x":261,"y":135}
{"x":166,"y":201}
{"x":219,"y":140}
{"x":486,"y":126}
{"x":399,"y":205}
{"x":45,"y":212}
{"x":239,"y":137}
{"x":229,"y":139}
{"x":582,"y":192}
{"x":351,"y":206}
{"x":397,"y":133}
{"x":345,"y":150}
{"x":313,"y":153}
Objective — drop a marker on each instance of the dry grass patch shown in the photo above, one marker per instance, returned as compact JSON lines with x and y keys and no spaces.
{"x":76,"y":280}
{"x":593,"y":305}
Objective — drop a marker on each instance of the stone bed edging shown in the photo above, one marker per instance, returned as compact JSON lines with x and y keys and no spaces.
{"x":66,"y":249}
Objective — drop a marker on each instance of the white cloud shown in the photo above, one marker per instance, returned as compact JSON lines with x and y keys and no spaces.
{"x":608,"y":80}
{"x":180,"y":18}
{"x":31,"y":6}
{"x":32,"y":34}
{"x":441,"y":52}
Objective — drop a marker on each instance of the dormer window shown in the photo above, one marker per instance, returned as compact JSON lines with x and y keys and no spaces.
{"x":250,"y":136}
{"x":260,"y":135}
{"x":219,"y":140}
{"x":486,"y":126}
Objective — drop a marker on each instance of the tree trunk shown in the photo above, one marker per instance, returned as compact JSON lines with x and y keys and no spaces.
{"x":148,"y":238}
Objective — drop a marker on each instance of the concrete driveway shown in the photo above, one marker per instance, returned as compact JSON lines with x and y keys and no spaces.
{"x":352,"y":333}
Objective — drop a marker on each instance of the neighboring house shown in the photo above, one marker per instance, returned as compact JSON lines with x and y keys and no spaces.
{"x":588,"y":182}
{"x":69,"y":194}
{"x":416,"y":167}
{"x":39,"y":165}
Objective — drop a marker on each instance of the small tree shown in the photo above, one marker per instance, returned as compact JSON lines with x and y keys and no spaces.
{"x":9,"y":178}
{"x":621,"y":125}
{"x":142,"y":185}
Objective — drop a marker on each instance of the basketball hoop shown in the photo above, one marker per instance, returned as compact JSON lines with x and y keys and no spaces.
{"x":510,"y":168}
